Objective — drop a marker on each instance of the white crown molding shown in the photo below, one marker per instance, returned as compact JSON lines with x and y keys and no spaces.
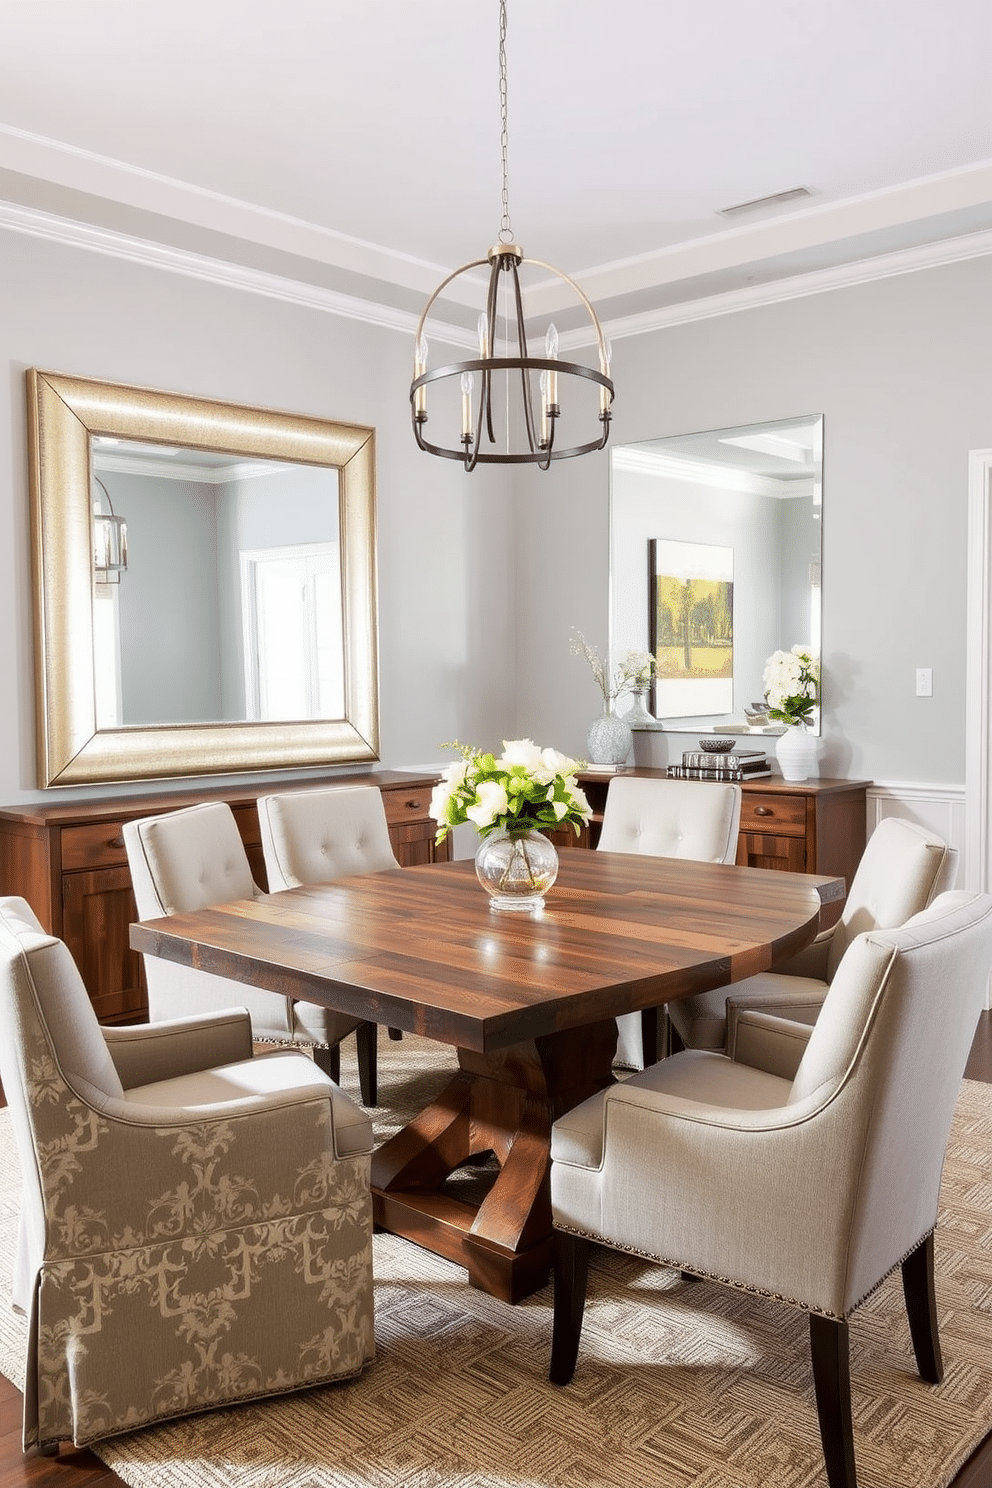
{"x":68,"y":231}
{"x":798,"y":286}
{"x":114,"y":180}
{"x":807,"y":227}
{"x":662,"y":464}
{"x":187,"y":470}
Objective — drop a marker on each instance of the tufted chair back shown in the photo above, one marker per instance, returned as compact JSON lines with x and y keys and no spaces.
{"x":187,"y":860}
{"x":672,"y":819}
{"x":315,"y":836}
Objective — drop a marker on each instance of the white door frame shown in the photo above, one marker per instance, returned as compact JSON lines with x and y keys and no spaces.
{"x":978,"y":676}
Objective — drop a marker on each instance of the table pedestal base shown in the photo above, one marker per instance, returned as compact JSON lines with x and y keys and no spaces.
{"x":505,"y":1103}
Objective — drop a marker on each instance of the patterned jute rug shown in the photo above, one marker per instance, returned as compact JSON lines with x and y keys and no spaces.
{"x":678,"y":1385}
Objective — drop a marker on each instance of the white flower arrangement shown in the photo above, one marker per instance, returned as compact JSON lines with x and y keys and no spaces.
{"x":526,"y":787}
{"x":639,"y":667}
{"x":634,"y":669}
{"x":792,"y":685}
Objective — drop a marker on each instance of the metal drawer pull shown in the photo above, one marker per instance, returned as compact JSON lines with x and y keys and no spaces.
{"x":117,"y":841}
{"x":413,"y":805}
{"x":764,"y":811}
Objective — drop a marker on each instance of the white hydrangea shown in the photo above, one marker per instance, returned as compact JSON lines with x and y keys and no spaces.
{"x":792,"y":685}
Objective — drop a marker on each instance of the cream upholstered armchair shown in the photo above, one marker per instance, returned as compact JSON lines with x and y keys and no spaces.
{"x":196,"y":1224}
{"x":811,"y":1190}
{"x":903,"y":868}
{"x":194,"y":858}
{"x":666,"y":819}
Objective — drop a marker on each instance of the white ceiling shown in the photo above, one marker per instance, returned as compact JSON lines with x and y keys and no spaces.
{"x":354,"y":147}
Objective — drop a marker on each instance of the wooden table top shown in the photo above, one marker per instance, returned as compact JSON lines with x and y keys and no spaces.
{"x":420,"y":948}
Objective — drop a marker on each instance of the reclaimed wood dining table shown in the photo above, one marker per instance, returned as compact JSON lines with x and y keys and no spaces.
{"x":528,"y":1000}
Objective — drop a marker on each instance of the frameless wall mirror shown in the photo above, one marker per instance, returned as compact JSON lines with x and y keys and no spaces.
{"x":715,"y":564}
{"x":205,"y":585}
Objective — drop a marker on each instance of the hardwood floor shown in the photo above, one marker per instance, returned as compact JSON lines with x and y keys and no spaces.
{"x":81,"y":1469}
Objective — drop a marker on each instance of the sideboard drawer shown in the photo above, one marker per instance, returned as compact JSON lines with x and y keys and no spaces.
{"x":412,"y":804}
{"x":99,"y":845}
{"x":783,"y":815}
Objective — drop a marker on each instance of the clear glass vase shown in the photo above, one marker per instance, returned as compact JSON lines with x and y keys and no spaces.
{"x":516,"y":868}
{"x":637,"y":715}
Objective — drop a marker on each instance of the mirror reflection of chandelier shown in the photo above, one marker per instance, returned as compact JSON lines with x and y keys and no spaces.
{"x":109,"y":539}
{"x":511,"y":411}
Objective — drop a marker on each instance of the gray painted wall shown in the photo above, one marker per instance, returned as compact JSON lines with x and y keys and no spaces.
{"x":482,"y":577}
{"x":901,"y":371}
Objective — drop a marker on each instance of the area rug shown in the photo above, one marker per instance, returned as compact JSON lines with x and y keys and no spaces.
{"x":678,"y":1385}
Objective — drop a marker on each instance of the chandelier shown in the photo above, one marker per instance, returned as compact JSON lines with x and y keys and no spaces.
{"x":109,"y":540}
{"x":509,"y":399}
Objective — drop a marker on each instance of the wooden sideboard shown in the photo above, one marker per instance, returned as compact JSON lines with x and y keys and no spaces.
{"x":815,"y":826}
{"x":68,"y":861}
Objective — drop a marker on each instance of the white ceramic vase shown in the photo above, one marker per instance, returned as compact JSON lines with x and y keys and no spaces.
{"x":795,"y":751}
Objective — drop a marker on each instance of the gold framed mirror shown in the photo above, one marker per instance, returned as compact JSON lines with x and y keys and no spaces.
{"x":80,"y":741}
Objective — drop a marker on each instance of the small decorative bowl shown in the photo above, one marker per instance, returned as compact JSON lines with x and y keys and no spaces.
{"x":717,"y":746}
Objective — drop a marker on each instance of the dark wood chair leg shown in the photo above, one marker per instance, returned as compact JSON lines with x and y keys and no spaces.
{"x":921,"y":1305}
{"x":366,"y":1035}
{"x":650,"y":1018}
{"x":571,"y":1265}
{"x":329,"y":1060}
{"x":395,"y":1033}
{"x":830,"y":1349}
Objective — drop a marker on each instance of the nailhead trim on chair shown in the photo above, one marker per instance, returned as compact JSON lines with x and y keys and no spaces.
{"x":672,"y":1264}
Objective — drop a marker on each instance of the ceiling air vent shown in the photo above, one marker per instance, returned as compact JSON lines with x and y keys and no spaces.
{"x":778,"y":199}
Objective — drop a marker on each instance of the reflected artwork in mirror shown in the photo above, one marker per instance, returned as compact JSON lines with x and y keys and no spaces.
{"x":236,"y":629}
{"x":715,"y":551}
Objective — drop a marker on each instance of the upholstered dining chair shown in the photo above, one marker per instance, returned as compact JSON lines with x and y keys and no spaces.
{"x":315,"y":836}
{"x":809,"y":1190}
{"x":902,"y":869}
{"x":666,"y":819}
{"x":194,"y":858}
{"x":196,"y":1223}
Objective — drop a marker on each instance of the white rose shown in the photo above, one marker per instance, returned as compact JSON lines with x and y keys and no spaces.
{"x":492,"y":802}
{"x":558,"y":764}
{"x":440,"y":796}
{"x":520,"y":752}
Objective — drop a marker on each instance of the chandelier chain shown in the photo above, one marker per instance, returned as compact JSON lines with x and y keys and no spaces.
{"x":505,"y":231}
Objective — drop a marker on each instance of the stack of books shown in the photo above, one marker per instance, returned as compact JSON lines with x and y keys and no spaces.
{"x":736,"y":764}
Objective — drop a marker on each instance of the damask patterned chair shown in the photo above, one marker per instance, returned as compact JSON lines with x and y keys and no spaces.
{"x":809,"y":1190}
{"x":196,"y":1224}
{"x":193,"y":858}
{"x":666,"y":819}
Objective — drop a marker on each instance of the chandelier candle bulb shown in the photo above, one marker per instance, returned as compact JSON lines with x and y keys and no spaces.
{"x":551,"y":348}
{"x":468,"y":383}
{"x":419,"y":368}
